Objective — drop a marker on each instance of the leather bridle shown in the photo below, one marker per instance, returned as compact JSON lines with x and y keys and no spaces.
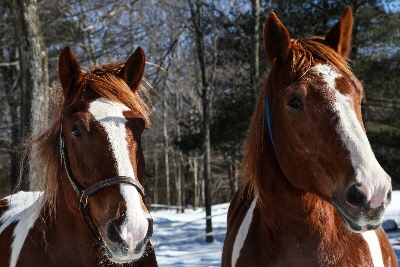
{"x":84,"y":194}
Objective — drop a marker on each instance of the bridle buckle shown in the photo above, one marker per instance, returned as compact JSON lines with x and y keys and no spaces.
{"x":84,"y":199}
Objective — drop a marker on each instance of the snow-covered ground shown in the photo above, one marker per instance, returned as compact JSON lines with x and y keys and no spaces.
{"x":179,"y":237}
{"x":393,"y":213}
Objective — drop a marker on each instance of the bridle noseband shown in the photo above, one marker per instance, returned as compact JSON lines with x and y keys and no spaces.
{"x":84,"y":194}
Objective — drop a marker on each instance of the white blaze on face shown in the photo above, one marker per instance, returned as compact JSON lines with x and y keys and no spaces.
{"x":375,"y":183}
{"x":242,"y":233}
{"x":110,"y":115}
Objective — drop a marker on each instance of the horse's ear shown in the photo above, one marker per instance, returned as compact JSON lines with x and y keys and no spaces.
{"x":132,"y":73}
{"x":276,"y":39}
{"x":69,"y":71}
{"x":339,"y":36}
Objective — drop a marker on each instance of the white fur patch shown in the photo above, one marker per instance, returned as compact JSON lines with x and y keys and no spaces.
{"x":110,"y":115}
{"x":24,"y":208}
{"x":328,"y":74}
{"x":375,"y":180}
{"x":242,"y":233}
{"x":374,"y":247}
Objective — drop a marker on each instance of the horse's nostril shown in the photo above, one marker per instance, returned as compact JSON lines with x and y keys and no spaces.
{"x":113,"y":234}
{"x":355,"y":197}
{"x":388,"y":197}
{"x":149,"y":233}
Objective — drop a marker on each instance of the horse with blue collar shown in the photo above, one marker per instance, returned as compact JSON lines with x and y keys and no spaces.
{"x":313,"y":192}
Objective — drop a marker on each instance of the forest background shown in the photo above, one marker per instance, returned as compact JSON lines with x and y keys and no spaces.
{"x":205,"y":66}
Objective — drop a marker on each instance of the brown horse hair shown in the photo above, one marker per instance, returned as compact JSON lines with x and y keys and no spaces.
{"x":45,"y":149}
{"x":305,"y":53}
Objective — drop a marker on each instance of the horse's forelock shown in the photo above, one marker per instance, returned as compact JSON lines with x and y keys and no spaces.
{"x":307,"y":52}
{"x":105,"y":82}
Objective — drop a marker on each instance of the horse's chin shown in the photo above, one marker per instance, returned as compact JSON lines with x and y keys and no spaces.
{"x":359,"y":221}
{"x":126,"y":259}
{"x":121,"y":258}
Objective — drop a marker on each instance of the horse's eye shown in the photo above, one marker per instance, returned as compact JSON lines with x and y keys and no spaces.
{"x":77,"y":133}
{"x":295,"y":103}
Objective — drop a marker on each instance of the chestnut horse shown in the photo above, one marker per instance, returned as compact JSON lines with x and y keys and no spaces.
{"x":91,"y":166}
{"x":313,"y":192}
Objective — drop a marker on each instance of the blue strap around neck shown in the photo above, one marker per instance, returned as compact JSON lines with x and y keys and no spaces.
{"x":268,"y":117}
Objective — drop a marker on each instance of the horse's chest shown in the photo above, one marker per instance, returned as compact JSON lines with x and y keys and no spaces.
{"x":264,"y":250}
{"x":264,"y":246}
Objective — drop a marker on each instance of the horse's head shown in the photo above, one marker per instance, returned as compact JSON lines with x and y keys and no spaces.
{"x":316,"y":126}
{"x":102,"y":122}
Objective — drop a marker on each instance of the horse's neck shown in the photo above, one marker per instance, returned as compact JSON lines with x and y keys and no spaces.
{"x":69,"y":228}
{"x":68,"y":215}
{"x":294,"y":209}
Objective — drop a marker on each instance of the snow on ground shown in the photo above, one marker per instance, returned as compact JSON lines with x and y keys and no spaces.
{"x":393,"y":213}
{"x":179,"y":238}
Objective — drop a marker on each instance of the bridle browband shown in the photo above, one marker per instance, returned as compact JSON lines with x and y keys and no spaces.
{"x":84,"y":194}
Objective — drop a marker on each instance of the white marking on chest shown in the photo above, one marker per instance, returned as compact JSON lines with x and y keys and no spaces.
{"x":367,"y":169}
{"x":24,"y":208}
{"x":374,"y":248}
{"x":110,"y":115}
{"x":242,"y":233}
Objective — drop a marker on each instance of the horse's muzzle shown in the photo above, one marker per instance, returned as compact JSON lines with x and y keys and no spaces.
{"x":121,"y":247}
{"x":357,"y":211}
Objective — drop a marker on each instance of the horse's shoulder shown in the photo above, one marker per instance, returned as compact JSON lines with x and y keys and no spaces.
{"x":4,"y":205}
{"x":240,"y":202}
{"x":13,"y":207}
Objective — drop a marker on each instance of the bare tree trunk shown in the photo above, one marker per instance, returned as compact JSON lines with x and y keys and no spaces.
{"x":93,"y":59}
{"x":166,"y":150}
{"x":231,"y":176}
{"x":255,"y":73}
{"x":87,"y":37}
{"x":196,"y":184}
{"x":155,"y":195}
{"x":236,"y":174}
{"x":11,"y":83}
{"x":179,"y":173}
{"x":196,"y":187}
{"x":197,"y":18}
{"x":180,"y":159}
{"x":33,"y":67}
{"x":201,"y":186}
